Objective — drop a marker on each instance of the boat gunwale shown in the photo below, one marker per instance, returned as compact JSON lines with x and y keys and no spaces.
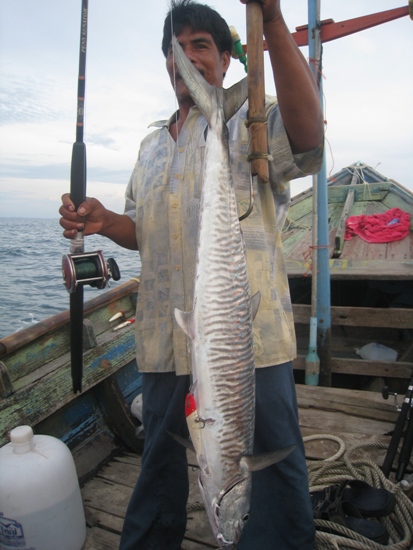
{"x":21,"y":338}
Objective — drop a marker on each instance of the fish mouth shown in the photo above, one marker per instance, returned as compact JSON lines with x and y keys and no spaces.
{"x":226,"y":544}
{"x":229,"y":544}
{"x":237,"y":527}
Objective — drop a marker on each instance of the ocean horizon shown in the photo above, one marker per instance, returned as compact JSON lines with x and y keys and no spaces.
{"x":31,"y":283}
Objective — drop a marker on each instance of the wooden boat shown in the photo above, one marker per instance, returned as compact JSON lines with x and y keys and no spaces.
{"x":36,"y":385}
{"x":97,"y":424}
{"x":371,"y":283}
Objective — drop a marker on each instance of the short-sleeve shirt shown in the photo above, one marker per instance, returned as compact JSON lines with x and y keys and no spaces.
{"x":163,"y":197}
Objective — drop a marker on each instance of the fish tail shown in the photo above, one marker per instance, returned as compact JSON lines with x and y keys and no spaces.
{"x":209,"y":98}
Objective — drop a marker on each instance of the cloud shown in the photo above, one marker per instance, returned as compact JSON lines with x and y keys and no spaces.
{"x":102,"y":141}
{"x":30,"y":96}
{"x":40,"y":198}
{"x":367,"y":84}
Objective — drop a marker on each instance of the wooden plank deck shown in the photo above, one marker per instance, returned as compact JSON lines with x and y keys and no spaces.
{"x":107,"y":495}
{"x":354,"y":416}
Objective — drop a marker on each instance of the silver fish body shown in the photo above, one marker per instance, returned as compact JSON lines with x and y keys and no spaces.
{"x":220,"y":325}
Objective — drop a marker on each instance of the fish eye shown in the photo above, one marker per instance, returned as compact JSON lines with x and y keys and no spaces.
{"x":246,"y":518}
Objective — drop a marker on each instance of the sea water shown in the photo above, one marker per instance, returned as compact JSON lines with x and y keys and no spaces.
{"x":31,"y":283}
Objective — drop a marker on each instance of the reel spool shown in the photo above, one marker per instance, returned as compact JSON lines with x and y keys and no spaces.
{"x":88,"y":269}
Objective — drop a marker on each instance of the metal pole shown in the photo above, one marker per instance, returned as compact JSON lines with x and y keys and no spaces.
{"x":323,"y":238}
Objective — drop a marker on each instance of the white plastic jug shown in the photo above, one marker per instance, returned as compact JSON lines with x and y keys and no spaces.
{"x":40,"y":502}
{"x":377,"y":352}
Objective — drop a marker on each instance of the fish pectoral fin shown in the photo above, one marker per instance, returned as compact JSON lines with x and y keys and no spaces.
{"x":255,"y":303}
{"x":185,"y":320}
{"x":184,"y":442}
{"x":259,"y":462}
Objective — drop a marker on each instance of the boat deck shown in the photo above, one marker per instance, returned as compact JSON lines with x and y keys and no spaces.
{"x":107,"y":495}
{"x":354,"y":416}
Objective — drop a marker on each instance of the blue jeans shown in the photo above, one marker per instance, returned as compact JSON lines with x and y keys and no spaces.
{"x":281,"y":515}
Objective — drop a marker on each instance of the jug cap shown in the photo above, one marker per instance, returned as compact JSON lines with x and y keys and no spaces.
{"x":22,"y":438}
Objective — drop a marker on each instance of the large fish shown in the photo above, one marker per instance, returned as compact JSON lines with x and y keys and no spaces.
{"x":220,"y":326}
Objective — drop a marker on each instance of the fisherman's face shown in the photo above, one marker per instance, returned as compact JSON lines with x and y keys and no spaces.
{"x":202,"y":51}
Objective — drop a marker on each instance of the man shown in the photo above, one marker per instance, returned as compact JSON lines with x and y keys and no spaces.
{"x":161,"y":220}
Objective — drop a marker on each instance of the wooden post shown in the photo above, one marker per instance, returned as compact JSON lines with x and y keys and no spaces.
{"x":256,"y":93}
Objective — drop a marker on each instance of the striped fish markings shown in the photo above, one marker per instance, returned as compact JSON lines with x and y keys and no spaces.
{"x":219,"y":327}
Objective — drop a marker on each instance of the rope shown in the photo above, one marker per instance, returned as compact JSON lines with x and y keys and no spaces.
{"x":317,"y":437}
{"x":292,"y":224}
{"x":195,"y":507}
{"x":355,"y":464}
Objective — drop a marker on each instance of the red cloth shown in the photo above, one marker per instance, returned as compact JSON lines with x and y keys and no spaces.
{"x":393,"y":225}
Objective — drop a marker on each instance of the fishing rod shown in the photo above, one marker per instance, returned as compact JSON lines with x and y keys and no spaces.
{"x":403,"y":430}
{"x":78,"y":267}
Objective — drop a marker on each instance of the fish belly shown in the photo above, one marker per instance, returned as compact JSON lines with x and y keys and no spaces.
{"x":223,"y":358}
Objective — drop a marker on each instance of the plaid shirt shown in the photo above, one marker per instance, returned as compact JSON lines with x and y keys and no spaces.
{"x":163,"y":197}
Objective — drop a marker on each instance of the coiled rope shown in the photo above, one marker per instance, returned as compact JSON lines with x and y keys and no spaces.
{"x":345,"y":465}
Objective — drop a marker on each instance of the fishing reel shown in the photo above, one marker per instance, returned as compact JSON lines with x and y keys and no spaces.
{"x":385,"y":393}
{"x":88,"y":268}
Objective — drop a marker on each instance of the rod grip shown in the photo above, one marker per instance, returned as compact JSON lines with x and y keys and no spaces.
{"x":256,"y":91}
{"x":395,"y":439}
{"x":78,"y":174}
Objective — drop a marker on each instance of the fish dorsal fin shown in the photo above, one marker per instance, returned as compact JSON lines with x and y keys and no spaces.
{"x":255,"y":304}
{"x":185,"y":320}
{"x":259,"y":462}
{"x":235,"y":97}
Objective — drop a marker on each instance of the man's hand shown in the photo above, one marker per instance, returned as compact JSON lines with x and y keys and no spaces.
{"x":271,"y":9}
{"x":92,"y":217}
{"x":295,"y":85}
{"x":89,"y":217}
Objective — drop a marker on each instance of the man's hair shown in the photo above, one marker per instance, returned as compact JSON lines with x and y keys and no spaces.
{"x":198,"y":17}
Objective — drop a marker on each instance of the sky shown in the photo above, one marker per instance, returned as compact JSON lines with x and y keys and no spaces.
{"x":367,"y":83}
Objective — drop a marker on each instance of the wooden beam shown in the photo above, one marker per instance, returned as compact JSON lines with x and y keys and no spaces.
{"x":400,"y":318}
{"x":6,"y":387}
{"x":34,"y":358}
{"x":341,"y":227}
{"x":330,"y":30}
{"x":19,"y":339}
{"x":357,"y":403}
{"x":44,"y":391}
{"x":364,"y":367}
{"x":256,"y":94}
{"x":356,"y":269}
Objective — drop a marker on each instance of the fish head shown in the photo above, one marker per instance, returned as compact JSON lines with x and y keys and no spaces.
{"x":230,"y":512}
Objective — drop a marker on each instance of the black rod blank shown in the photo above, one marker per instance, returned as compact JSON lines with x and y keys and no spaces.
{"x":78,"y":195}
